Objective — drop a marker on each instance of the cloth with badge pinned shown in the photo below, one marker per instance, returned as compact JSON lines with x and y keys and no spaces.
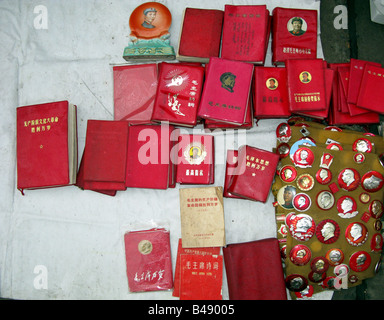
{"x":328,"y":209}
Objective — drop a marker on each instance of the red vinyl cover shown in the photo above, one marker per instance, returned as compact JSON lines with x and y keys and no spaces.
{"x":254,"y":270}
{"x":230,"y":166}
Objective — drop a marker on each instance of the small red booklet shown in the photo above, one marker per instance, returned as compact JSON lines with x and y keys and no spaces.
{"x":46,"y":145}
{"x":148,"y":260}
{"x":294,"y":34}
{"x":253,"y":176}
{"x":246,"y":31}
{"x":227,"y":90}
{"x":200,"y":34}
{"x":231,"y":165}
{"x":178,"y":93}
{"x":196,"y":159}
{"x":134,"y":90}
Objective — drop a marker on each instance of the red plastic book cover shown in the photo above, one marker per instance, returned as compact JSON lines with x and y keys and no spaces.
{"x":294,"y":34}
{"x":227,"y":89}
{"x":189,"y":251}
{"x":252,"y":179}
{"x":134,"y":90}
{"x":105,"y":159}
{"x":196,"y":159}
{"x":270,"y":93}
{"x":201,"y":277}
{"x":148,"y":260}
{"x":231,"y":164}
{"x":200,"y":34}
{"x":178,"y":93}
{"x":306,"y":85}
{"x":245,"y":33}
{"x":254,"y":270}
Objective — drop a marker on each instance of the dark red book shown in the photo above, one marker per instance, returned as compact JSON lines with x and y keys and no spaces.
{"x":46,"y":145}
{"x":196,"y":159}
{"x":178,"y":93}
{"x":270,"y":93}
{"x":294,"y":34}
{"x":134,"y":91}
{"x":148,"y":260}
{"x":200,"y":34}
{"x":254,"y":270}
{"x":245,"y":33}
{"x":252,"y":179}
{"x":227,"y":90}
{"x":105,"y":157}
{"x":230,"y":167}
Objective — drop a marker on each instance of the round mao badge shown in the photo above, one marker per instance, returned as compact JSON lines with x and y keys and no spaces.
{"x":145,"y":247}
{"x":305,"y":182}
{"x":376,"y":209}
{"x":356,"y":234}
{"x":301,"y":202}
{"x":362,"y":145}
{"x":319,"y":264}
{"x":303,"y":157}
{"x":335,"y":256}
{"x":296,"y":282}
{"x":372,"y":181}
{"x":325,"y":200}
{"x":300,"y":255}
{"x":327,"y":231}
{"x":288,"y":173}
{"x":360,"y":261}
{"x":324,"y":176}
{"x":283,"y":132}
{"x":285,"y":196}
{"x":349,"y":179}
{"x":346,"y":207}
{"x":377,"y":242}
{"x":301,"y":226}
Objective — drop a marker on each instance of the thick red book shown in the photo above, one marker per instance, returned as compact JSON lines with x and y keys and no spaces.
{"x":230,"y":167}
{"x":105,"y":157}
{"x":46,"y":145}
{"x":245,"y":33}
{"x":227,"y":90}
{"x":196,"y":159}
{"x":252,"y":179}
{"x":294,"y":34}
{"x":306,"y":85}
{"x":148,"y":260}
{"x":134,"y":91}
{"x":200,"y":34}
{"x":254,"y":270}
{"x":178,"y":93}
{"x":201,"y":277}
{"x":270,"y":93}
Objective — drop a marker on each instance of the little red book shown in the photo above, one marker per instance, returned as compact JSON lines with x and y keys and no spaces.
{"x":178,"y":93}
{"x":227,"y":90}
{"x":246,"y":32}
{"x":254,"y":270}
{"x":148,"y":260}
{"x":196,"y":159}
{"x":253,"y":176}
{"x":46,"y":145}
{"x":294,"y":34}
{"x":230,"y":167}
{"x":200,"y":34}
{"x":134,"y":90}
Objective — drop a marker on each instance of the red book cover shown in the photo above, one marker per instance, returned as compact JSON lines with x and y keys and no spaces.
{"x":148,"y":260}
{"x":245,"y":33}
{"x":196,"y":159}
{"x":270,"y":93}
{"x":178,"y":93}
{"x":200,"y":34}
{"x":335,"y":103}
{"x":46,"y":139}
{"x":306,"y":85}
{"x":254,"y":174}
{"x":254,"y":270}
{"x":371,"y":94}
{"x":227,"y":89}
{"x":294,"y":34}
{"x":189,"y":251}
{"x":134,"y":90}
{"x":231,"y":165}
{"x":105,"y":159}
{"x":201,"y":277}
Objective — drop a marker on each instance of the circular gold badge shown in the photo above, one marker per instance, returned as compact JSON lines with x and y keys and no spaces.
{"x":145,"y":247}
{"x":272,"y":84}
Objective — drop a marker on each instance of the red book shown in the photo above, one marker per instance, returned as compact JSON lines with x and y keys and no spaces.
{"x":189,"y":251}
{"x":200,"y":34}
{"x":227,"y":90}
{"x":134,"y":90}
{"x":46,"y":145}
{"x":178,"y":93}
{"x":245,"y":33}
{"x":270,"y":93}
{"x":254,"y":270}
{"x":148,"y":260}
{"x":105,"y":157}
{"x":306,"y":89}
{"x":196,"y":159}
{"x":254,"y":174}
{"x":294,"y":34}
{"x":201,"y":277}
{"x":231,"y":165}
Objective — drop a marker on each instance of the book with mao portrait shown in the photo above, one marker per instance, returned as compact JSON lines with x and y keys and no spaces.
{"x":46,"y":145}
